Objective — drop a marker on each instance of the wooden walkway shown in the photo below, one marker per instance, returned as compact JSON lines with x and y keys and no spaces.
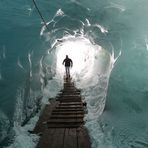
{"x":61,"y":122}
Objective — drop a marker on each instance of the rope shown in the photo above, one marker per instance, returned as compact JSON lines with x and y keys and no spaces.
{"x":40,"y":14}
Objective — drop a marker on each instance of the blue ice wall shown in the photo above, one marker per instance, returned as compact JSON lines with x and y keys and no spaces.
{"x":114,"y":25}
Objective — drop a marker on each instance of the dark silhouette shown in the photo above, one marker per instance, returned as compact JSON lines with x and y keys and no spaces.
{"x":68,"y":63}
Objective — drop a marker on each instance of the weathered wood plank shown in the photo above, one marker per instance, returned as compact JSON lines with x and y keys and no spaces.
{"x":40,"y":126}
{"x":66,"y":116}
{"x":68,"y":113}
{"x":45,"y":140}
{"x":67,"y":110}
{"x":69,"y":100}
{"x":70,"y":91}
{"x":70,"y":139}
{"x":63,"y":126}
{"x":52,"y":138}
{"x":70,"y":103}
{"x":66,"y":121}
{"x":70,"y":97}
{"x":69,"y":107}
{"x":83,"y":138}
{"x":75,"y":125}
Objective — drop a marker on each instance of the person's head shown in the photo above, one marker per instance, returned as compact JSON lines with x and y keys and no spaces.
{"x":66,"y":56}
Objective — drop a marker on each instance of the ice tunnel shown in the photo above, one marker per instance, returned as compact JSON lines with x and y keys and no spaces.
{"x":108,"y":43}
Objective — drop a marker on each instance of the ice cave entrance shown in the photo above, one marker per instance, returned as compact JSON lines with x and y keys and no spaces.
{"x":83,"y":54}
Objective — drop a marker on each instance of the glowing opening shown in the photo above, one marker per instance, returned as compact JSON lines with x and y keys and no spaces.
{"x":81,"y":51}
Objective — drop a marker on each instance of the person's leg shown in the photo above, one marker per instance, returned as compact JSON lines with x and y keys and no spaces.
{"x":66,"y":70}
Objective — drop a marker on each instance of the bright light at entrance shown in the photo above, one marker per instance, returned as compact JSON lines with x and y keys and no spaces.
{"x":81,"y":51}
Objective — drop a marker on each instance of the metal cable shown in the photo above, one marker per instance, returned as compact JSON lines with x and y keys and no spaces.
{"x":40,"y":14}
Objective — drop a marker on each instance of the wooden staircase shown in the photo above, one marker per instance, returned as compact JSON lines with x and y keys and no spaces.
{"x":62,"y":126}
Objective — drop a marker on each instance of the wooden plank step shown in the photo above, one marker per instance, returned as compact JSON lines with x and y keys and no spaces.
{"x":69,"y":107}
{"x":67,"y":110}
{"x":76,"y":125}
{"x":66,"y":116}
{"x":83,"y":138}
{"x":70,"y":95}
{"x":69,"y":84}
{"x":71,"y":103}
{"x":63,"y":121}
{"x":70,"y":139}
{"x":68,"y":100}
{"x":52,"y":138}
{"x":66,"y":87}
{"x":68,"y":113}
{"x":69,"y":87}
{"x":44,"y":116}
{"x":70,"y":90}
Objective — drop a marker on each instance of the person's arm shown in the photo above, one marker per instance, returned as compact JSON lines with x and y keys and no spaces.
{"x":63,"y":61}
{"x":71,"y":63}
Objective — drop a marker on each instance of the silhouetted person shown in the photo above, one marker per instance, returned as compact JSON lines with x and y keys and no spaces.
{"x":68,"y":63}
